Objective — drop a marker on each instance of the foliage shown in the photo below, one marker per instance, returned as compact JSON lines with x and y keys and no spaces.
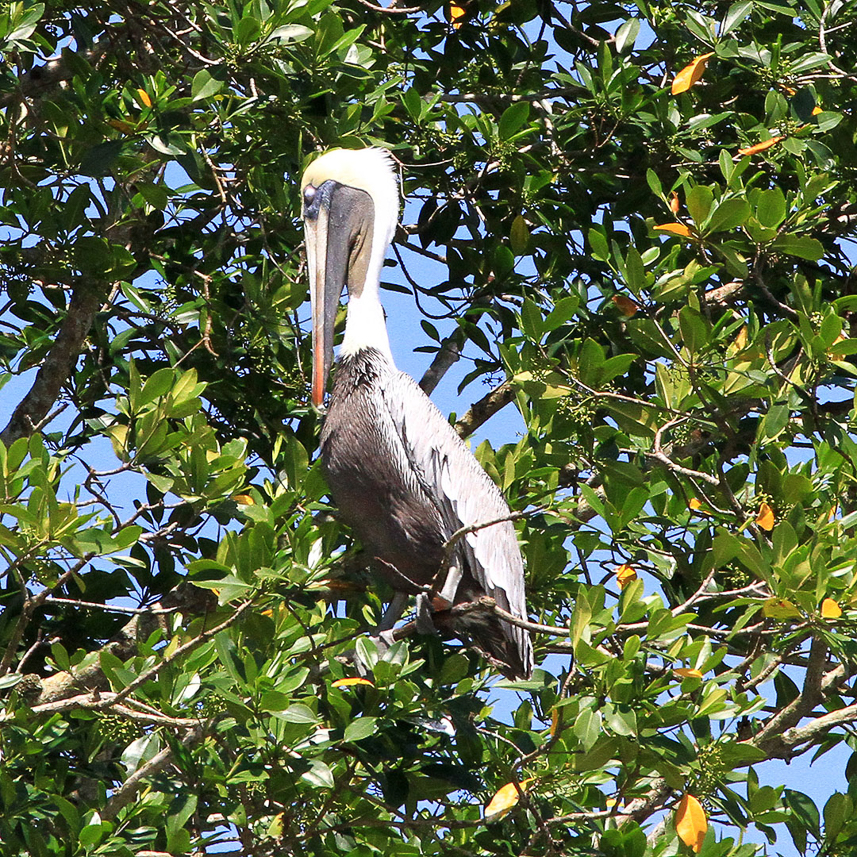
{"x":658,"y":281}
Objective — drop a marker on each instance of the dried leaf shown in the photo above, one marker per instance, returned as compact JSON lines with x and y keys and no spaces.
{"x":555,"y":721}
{"x":687,"y":672}
{"x":765,"y":517}
{"x":626,"y":306}
{"x":761,"y":147}
{"x":690,"y":74}
{"x":691,"y":824}
{"x":505,"y":799}
{"x":780,"y":608}
{"x":674,"y":203}
{"x":125,"y":127}
{"x":830,"y":609}
{"x":624,"y":575}
{"x":351,"y":682}
{"x":674,"y":229}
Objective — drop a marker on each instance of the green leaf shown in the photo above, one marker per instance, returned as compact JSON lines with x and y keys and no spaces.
{"x":519,"y":236}
{"x":360,"y":728}
{"x":626,"y":35}
{"x":699,"y":200}
{"x":728,"y":214}
{"x":736,"y":14}
{"x":513,"y":119}
{"x":204,"y":86}
{"x":801,"y":246}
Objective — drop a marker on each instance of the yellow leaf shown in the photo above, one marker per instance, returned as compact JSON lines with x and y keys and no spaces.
{"x":741,"y":339}
{"x":626,"y":306}
{"x":244,"y":499}
{"x":780,"y":608}
{"x":505,"y":799}
{"x":830,"y":609}
{"x":624,"y":575}
{"x":457,"y":13}
{"x":691,"y":823}
{"x":696,"y":506}
{"x":144,"y":97}
{"x":555,"y":721}
{"x":690,"y":74}
{"x":674,"y":229}
{"x":761,"y":147}
{"x":351,"y":682}
{"x":687,"y":672}
{"x":765,"y":517}
{"x":816,"y":110}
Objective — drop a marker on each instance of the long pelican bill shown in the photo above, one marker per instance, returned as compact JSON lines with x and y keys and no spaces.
{"x":337,"y":221}
{"x":327,"y":260}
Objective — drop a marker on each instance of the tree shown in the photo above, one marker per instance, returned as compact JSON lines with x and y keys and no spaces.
{"x":644,"y":214}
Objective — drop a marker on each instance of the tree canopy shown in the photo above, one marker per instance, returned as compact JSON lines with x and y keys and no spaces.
{"x":644,"y":215}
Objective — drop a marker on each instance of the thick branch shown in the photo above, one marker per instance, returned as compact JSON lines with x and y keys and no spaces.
{"x":58,"y":365}
{"x":450,"y":352}
{"x":128,"y":790}
{"x":480,"y":412}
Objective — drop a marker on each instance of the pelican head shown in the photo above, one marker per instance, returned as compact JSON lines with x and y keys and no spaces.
{"x":350,"y":211}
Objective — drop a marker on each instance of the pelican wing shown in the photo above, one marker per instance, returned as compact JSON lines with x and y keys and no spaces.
{"x":465,"y":497}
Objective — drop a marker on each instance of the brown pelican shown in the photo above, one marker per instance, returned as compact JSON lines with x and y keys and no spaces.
{"x":402,"y":478}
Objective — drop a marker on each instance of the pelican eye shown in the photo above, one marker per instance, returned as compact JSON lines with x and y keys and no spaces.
{"x":309,"y":194}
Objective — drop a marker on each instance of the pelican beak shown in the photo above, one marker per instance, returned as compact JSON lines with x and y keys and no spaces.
{"x":327,"y":260}
{"x":335,"y":226}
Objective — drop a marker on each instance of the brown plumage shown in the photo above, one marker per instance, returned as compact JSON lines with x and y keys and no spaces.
{"x":401,"y":477}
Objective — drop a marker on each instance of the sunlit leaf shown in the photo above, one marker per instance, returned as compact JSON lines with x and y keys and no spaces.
{"x":690,"y":74}
{"x":457,"y":14}
{"x":780,"y":608}
{"x":505,"y":799}
{"x":351,"y":682}
{"x":830,"y":609}
{"x":624,"y":575}
{"x":691,"y":824}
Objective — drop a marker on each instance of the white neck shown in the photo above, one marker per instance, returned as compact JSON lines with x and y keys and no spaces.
{"x":365,"y":325}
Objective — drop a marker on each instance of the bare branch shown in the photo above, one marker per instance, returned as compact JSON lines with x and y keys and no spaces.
{"x":59,"y":363}
{"x":480,"y":412}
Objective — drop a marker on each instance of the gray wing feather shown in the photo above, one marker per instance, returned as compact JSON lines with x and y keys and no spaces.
{"x":465,"y":495}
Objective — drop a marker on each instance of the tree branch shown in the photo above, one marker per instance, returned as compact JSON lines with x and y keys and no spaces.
{"x":128,"y":790}
{"x":58,"y":365}
{"x":480,"y":412}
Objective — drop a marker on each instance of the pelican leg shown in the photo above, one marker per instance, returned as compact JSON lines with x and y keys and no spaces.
{"x":444,"y":599}
{"x":450,"y":585}
{"x":425,"y":624}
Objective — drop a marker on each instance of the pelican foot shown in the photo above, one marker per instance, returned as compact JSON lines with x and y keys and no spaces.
{"x":424,"y":621}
